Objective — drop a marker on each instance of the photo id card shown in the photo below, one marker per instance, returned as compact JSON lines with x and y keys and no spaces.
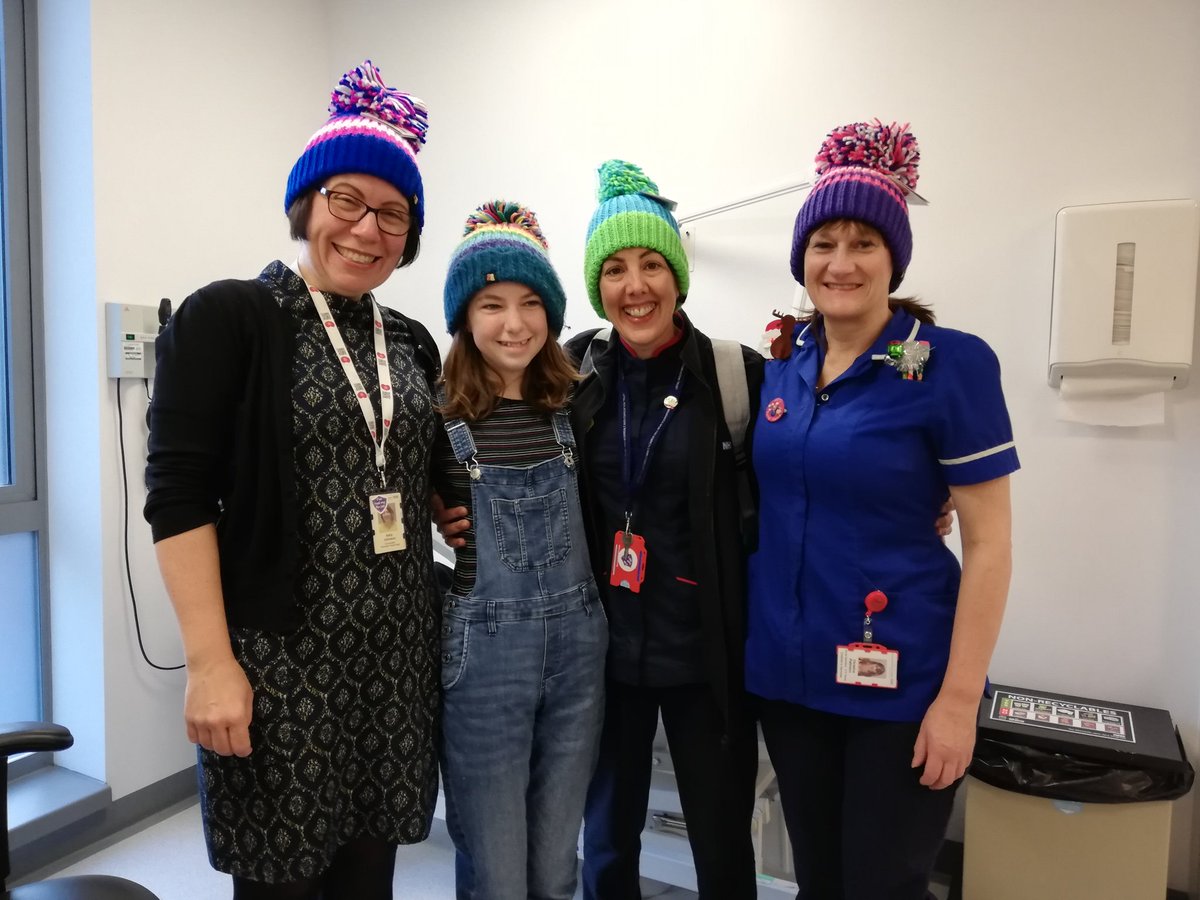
{"x":386,"y":522}
{"x":628,"y":561}
{"x":867,"y":665}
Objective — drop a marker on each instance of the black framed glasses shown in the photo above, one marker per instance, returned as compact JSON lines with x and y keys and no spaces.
{"x":349,"y":208}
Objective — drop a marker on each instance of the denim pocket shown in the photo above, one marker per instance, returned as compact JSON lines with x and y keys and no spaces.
{"x":455,"y":637}
{"x":533,"y":532}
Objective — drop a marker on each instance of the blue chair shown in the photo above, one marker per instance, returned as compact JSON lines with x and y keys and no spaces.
{"x":30,"y":737}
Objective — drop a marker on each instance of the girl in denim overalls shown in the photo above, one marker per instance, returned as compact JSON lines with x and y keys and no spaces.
{"x":523,"y":632}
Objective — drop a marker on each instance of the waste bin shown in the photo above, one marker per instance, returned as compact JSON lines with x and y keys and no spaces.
{"x":1069,"y":798}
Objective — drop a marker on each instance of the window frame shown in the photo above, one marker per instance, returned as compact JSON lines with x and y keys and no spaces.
{"x":23,"y":505}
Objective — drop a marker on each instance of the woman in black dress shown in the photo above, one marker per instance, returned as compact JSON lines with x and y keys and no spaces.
{"x":290,"y":440}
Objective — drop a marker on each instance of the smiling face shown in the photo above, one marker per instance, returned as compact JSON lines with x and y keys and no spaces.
{"x":351,"y":258}
{"x":639,"y":295}
{"x":847,"y":270}
{"x":507,"y":321}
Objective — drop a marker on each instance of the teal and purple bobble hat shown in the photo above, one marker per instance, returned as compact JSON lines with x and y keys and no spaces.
{"x":631,"y":214}
{"x":502,"y":241}
{"x":865,"y":171}
{"x":373,"y":129}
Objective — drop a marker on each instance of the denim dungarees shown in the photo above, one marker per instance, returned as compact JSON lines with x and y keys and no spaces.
{"x":523,"y":679}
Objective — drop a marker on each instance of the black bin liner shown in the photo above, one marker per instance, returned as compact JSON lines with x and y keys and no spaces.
{"x":1063,"y":776}
{"x":1041,"y":746}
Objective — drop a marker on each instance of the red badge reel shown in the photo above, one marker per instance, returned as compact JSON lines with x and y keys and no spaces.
{"x":868,"y":664}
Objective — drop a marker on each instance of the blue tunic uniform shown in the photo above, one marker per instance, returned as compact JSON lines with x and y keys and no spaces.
{"x":852,"y":477}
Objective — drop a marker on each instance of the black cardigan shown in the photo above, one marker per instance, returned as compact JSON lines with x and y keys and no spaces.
{"x":719,"y":546}
{"x":220,"y":443}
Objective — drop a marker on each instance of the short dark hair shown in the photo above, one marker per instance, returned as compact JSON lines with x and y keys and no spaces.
{"x":299,"y":213}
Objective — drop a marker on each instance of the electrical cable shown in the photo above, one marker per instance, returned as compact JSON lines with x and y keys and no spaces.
{"x":137,"y":622}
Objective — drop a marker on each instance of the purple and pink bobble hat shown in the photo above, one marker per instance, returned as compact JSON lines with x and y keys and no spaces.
{"x":372,"y":129}
{"x":865,"y":171}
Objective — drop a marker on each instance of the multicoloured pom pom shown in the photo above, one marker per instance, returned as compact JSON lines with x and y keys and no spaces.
{"x":890,"y":149}
{"x":618,"y":178}
{"x":362,"y":90}
{"x":502,"y":212}
{"x":502,"y":241}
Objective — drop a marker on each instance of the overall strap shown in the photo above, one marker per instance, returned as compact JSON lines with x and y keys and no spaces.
{"x":561,"y":420}
{"x":462,"y":442}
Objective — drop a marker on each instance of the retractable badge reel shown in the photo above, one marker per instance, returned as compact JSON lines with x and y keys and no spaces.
{"x":867,"y":663}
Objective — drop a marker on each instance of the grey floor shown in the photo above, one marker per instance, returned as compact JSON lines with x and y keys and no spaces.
{"x":168,"y":857}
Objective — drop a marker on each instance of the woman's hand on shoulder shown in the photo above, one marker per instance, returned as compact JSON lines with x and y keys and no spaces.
{"x":450,"y":522}
{"x":217,"y":707}
{"x":946,"y":741}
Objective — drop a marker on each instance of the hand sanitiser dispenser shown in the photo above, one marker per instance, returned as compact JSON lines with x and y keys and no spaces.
{"x":1124,"y":304}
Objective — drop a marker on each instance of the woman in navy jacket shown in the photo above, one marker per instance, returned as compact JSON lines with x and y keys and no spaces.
{"x":661,"y":491}
{"x":867,"y":644}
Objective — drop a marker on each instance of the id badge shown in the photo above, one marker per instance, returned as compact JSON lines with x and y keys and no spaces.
{"x":867,"y":665}
{"x":629,"y":561}
{"x":386,"y":522}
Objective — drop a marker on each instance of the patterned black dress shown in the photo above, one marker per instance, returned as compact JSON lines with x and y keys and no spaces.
{"x":345,"y":707}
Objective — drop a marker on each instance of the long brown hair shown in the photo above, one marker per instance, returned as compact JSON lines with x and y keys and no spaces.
{"x":471,"y":386}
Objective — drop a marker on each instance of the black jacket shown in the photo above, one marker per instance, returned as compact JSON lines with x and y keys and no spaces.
{"x":219,"y":448}
{"x":718,"y":545}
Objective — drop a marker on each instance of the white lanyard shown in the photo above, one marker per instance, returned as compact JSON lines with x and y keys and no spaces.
{"x":381,"y":363}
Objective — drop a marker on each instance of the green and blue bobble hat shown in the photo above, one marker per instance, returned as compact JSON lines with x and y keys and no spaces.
{"x":865,"y":172}
{"x":372,"y":129}
{"x":502,"y":241}
{"x":631,"y":214}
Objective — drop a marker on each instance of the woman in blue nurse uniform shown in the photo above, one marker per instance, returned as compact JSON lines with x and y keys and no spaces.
{"x":867,"y":643}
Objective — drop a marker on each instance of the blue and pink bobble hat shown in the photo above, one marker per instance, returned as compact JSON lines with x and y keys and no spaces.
{"x":502,"y":241}
{"x":372,"y":129}
{"x":865,"y":171}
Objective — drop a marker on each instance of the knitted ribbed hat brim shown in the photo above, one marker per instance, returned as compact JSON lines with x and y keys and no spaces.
{"x":852,"y":192}
{"x":358,"y":144}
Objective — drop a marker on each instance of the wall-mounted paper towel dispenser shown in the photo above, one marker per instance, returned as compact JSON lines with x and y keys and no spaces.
{"x":1124,"y":299}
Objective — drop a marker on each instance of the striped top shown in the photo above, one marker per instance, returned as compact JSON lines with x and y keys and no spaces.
{"x":516,"y":435}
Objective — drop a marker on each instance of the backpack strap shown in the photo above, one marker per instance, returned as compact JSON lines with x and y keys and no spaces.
{"x":735,"y":404}
{"x":735,"y":393}
{"x":587,"y":365}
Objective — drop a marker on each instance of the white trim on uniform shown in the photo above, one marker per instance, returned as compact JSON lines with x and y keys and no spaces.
{"x":999,"y":448}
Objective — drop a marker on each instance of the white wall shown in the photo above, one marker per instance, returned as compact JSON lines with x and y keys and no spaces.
{"x":1021,"y":108}
{"x":167,"y":131}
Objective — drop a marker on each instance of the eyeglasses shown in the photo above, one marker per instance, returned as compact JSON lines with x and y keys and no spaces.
{"x":349,"y":208}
